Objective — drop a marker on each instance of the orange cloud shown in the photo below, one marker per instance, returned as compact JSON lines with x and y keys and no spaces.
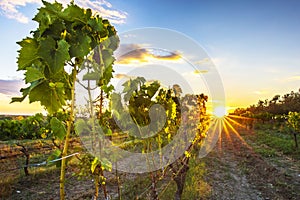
{"x":135,"y":53}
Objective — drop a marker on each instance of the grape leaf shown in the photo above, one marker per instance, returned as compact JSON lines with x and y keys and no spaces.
{"x":25,"y":92}
{"x":53,"y":7}
{"x":47,"y":15}
{"x":80,"y":45}
{"x":91,"y":76}
{"x":152,"y":89}
{"x":55,"y":155}
{"x":55,"y":29}
{"x":52,"y":98}
{"x":73,"y":12}
{"x":96,"y":24}
{"x":28,"y":53}
{"x":81,"y":127}
{"x":55,"y":54}
{"x":106,"y":164}
{"x":58,"y":128}
{"x":33,"y":74}
{"x":107,"y":88}
{"x":107,"y":57}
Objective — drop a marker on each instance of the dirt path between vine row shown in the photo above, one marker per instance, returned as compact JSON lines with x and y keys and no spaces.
{"x":235,"y":171}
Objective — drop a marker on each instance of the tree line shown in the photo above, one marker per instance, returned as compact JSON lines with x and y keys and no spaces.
{"x":278,"y":105}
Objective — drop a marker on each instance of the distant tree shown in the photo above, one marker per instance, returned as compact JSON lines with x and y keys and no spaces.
{"x":294,"y":123}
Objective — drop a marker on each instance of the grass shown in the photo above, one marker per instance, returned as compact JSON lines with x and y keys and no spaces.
{"x":195,"y":186}
{"x":270,"y":142}
{"x":265,"y":152}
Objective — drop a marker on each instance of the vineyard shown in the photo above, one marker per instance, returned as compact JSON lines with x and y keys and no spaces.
{"x":142,"y":142}
{"x":227,"y":172}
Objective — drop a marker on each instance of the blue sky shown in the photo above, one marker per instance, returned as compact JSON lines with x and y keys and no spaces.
{"x":255,"y":45}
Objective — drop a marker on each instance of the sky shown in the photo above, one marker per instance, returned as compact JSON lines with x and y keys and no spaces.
{"x":254,"y":45}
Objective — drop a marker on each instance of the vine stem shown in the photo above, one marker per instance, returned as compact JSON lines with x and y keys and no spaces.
{"x":66,"y":144}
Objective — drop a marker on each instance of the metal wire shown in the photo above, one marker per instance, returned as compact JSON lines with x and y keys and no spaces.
{"x":40,"y":164}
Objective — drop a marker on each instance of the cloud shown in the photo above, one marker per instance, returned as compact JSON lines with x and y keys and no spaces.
{"x":204,"y":61}
{"x":11,"y":87}
{"x":11,"y":9}
{"x":137,"y":53}
{"x":204,"y":66}
{"x":105,"y":10}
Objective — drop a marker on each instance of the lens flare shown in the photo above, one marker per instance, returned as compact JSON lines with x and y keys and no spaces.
{"x":220,"y":112}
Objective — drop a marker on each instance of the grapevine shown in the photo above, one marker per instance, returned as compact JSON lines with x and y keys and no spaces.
{"x":63,"y":39}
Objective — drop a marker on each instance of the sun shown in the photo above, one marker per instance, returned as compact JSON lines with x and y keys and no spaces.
{"x":220,"y":112}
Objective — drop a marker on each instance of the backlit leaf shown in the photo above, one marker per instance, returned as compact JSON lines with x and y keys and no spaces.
{"x":28,"y":53}
{"x":52,"y":98}
{"x":33,"y":74}
{"x":80,"y":45}
{"x":55,"y":54}
{"x":58,"y":128}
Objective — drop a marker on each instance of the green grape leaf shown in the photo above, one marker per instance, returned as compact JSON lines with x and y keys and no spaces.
{"x":107,"y":88}
{"x":54,"y":155}
{"x":53,"y":7}
{"x":44,"y":19}
{"x":108,"y":59}
{"x":28,"y":53}
{"x":58,"y":128}
{"x":52,"y":98}
{"x":59,"y":85}
{"x":106,"y":164}
{"x":33,"y":74}
{"x":91,"y":76}
{"x":55,"y":54}
{"x":109,"y":132}
{"x":114,"y":42}
{"x":127,"y":86}
{"x":116,"y":104}
{"x":73,"y":12}
{"x":80,"y":45}
{"x":17,"y":99}
{"x":56,"y":30}
{"x":153,"y":88}
{"x":96,"y":24}
{"x":81,"y":127}
{"x":25,"y":92}
{"x":47,"y":15}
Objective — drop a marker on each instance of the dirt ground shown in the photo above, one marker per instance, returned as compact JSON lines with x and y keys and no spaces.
{"x":235,"y":171}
